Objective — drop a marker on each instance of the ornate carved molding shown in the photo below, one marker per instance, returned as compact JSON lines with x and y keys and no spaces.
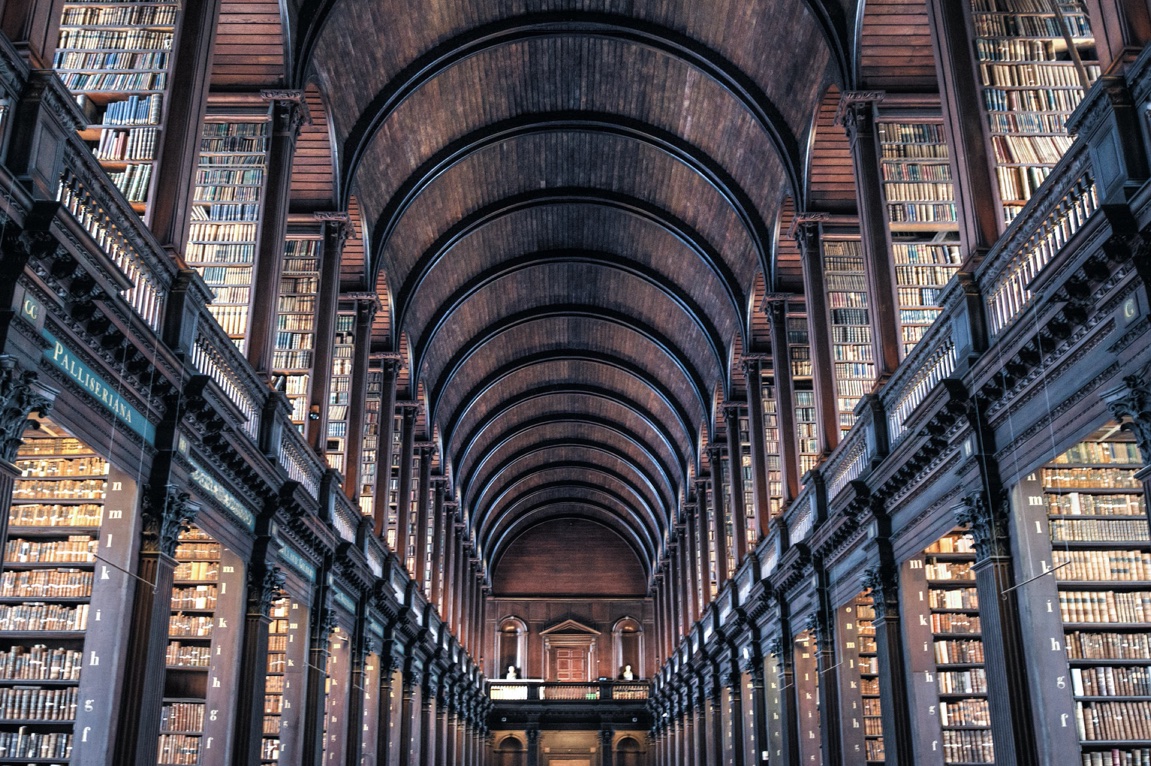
{"x":266,"y":588}
{"x":883,"y":582}
{"x":1131,"y":405}
{"x":988,"y":525}
{"x":19,"y":398}
{"x":167,"y":513}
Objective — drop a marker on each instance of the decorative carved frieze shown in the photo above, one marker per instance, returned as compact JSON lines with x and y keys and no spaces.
{"x":167,"y":513}
{"x":19,"y":398}
{"x":988,"y":525}
{"x":1131,"y":405}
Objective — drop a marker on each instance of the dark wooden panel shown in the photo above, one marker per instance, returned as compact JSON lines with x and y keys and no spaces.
{"x":570,"y":557}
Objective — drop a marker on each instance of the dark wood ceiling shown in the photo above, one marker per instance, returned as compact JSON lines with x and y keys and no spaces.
{"x":572,"y":211}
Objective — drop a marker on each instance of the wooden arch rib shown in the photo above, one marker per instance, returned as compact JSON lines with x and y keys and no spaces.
{"x":666,"y":346}
{"x":743,"y":89}
{"x":671,"y":144}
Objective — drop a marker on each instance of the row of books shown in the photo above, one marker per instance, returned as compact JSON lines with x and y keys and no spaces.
{"x":918,"y":296}
{"x":43,"y":617}
{"x":1116,"y":757}
{"x":207,"y":252}
{"x":1099,"y":530}
{"x":1113,"y":720}
{"x":132,"y":111}
{"x":133,"y":182}
{"x":1027,"y":122}
{"x":182,"y":716}
{"x":1091,"y":478}
{"x":40,"y":663}
{"x":45,"y":468}
{"x":924,"y":274}
{"x":230,"y":294}
{"x":292,"y":384}
{"x":965,"y":712}
{"x":179,"y":750}
{"x":46,"y":583}
{"x":1021,"y":25}
{"x":222,"y":193}
{"x":973,"y":681}
{"x":195,"y":597}
{"x":1120,"y":566}
{"x":124,"y":145}
{"x":852,"y":316}
{"x":120,"y":15}
{"x":967,"y":746}
{"x":188,"y":551}
{"x":237,"y":276}
{"x":911,"y":212}
{"x":292,"y":360}
{"x":917,"y":171}
{"x":906,"y":152}
{"x":116,"y":82}
{"x":236,"y":144}
{"x":122,"y":61}
{"x":190,"y":626}
{"x":112,"y":40}
{"x":31,"y":703}
{"x":960,"y":570}
{"x":226,"y":176}
{"x":1062,"y":74}
{"x":294,"y":322}
{"x":33,"y":744}
{"x":76,"y":549}
{"x":294,"y":341}
{"x":955,"y":623}
{"x":234,"y":319}
{"x":1111,"y":682}
{"x":1101,"y":452}
{"x":852,"y":352}
{"x":187,"y":655}
{"x":60,"y":489}
{"x":953,"y":598}
{"x":1030,"y":149}
{"x":911,"y":133}
{"x":958,"y":652}
{"x":1083,"y":645}
{"x":853,"y":332}
{"x":228,"y":213}
{"x":1103,"y":607}
{"x":1031,"y":100}
{"x":1022,"y":50}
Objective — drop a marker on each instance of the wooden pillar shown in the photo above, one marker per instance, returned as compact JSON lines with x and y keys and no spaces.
{"x":404,"y":502}
{"x":389,"y":370}
{"x":366,"y":307}
{"x":781,"y":649}
{"x":684,"y":579}
{"x":428,"y":728}
{"x":451,"y":755}
{"x":701,"y":527}
{"x":674,"y":593}
{"x":719,"y":522}
{"x":895,"y":704}
{"x":714,"y":714}
{"x":385,"y":724}
{"x":451,"y":545}
{"x":605,"y":738}
{"x":166,"y":513}
{"x":776,"y":307}
{"x":1004,"y":655}
{"x":423,"y":496}
{"x":700,"y":753}
{"x":174,"y":171}
{"x":265,"y":584}
{"x":288,"y":114}
{"x":459,"y":596}
{"x":757,"y":436}
{"x":409,"y":719}
{"x":822,"y":628}
{"x":442,"y":751}
{"x":533,"y":737}
{"x":691,"y":562}
{"x":733,"y":683}
{"x":360,"y":648}
{"x":336,"y":232}
{"x":857,"y":110}
{"x":322,"y":624}
{"x":976,"y":193}
{"x":439,"y":532}
{"x":807,"y":234}
{"x":735,"y":485}
{"x":758,"y":702}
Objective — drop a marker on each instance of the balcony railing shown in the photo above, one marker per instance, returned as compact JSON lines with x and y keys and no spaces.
{"x":534,"y":690}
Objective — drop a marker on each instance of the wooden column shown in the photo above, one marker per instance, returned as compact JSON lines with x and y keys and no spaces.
{"x":360,"y":648}
{"x":366,"y":307}
{"x":782,"y":649}
{"x":439,"y":532}
{"x":700,"y":753}
{"x":701,"y":526}
{"x":822,"y":628}
{"x":713,"y":712}
{"x":389,"y":370}
{"x":265,"y":584}
{"x":760,"y":491}
{"x":776,"y":308}
{"x":661,"y":641}
{"x":409,"y":718}
{"x":719,"y":523}
{"x":733,"y":687}
{"x":427,"y":728}
{"x":605,"y":738}
{"x":674,"y":593}
{"x":451,"y":541}
{"x":423,"y":508}
{"x":532,"y":734}
{"x":404,"y":501}
{"x":1004,"y":655}
{"x":684,"y":579}
{"x":288,"y":114}
{"x":758,"y":702}
{"x":442,"y":751}
{"x":323,"y":622}
{"x":166,"y":513}
{"x":807,"y":234}
{"x":735,"y":484}
{"x":174,"y":171}
{"x":857,"y":113}
{"x":976,"y":193}
{"x":336,"y":232}
{"x":691,"y":546}
{"x":459,"y":596}
{"x":895,"y":704}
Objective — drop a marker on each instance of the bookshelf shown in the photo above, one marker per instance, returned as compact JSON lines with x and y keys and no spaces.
{"x":114,"y":56}
{"x":957,"y":648}
{"x":807,"y":691}
{"x":862,"y":723}
{"x":292,"y":359}
{"x":1101,"y":559}
{"x":771,"y":446}
{"x":45,"y":595}
{"x":847,"y":302}
{"x":336,"y":683}
{"x":799,"y":356}
{"x":921,"y":219}
{"x":746,"y":480}
{"x":1036,"y":58}
{"x":270,"y":747}
{"x":340,"y":391}
{"x":225,"y":215}
{"x":369,"y":456}
{"x":394,"y":481}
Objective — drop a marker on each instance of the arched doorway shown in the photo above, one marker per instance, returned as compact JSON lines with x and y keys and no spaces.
{"x":510,"y":752}
{"x":628,"y":752}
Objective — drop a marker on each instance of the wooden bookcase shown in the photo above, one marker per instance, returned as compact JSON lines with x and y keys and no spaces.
{"x":225,"y":215}
{"x":921,"y":218}
{"x":841,"y":255}
{"x":336,"y":687}
{"x":799,"y":356}
{"x":771,"y":444}
{"x":1036,"y":58}
{"x":115,"y":56}
{"x":340,"y":391}
{"x":274,"y":682}
{"x":394,"y":480}
{"x":742,"y":464}
{"x":293,"y":357}
{"x":807,"y":690}
{"x":370,"y":453}
{"x":861,"y":723}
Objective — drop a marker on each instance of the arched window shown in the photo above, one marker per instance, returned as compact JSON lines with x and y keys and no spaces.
{"x":627,"y":636}
{"x":513,"y":647}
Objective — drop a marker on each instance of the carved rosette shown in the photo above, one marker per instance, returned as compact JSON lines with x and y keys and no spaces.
{"x":264,"y":589}
{"x":1133,"y":408}
{"x":987,"y":524}
{"x":166,"y":515}
{"x":18,"y":400}
{"x":884,"y":587}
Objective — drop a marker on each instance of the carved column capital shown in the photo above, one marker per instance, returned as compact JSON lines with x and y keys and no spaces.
{"x":988,"y":525}
{"x":883,"y":582}
{"x":1131,"y":405}
{"x":19,"y":398}
{"x":265,"y":588}
{"x":167,"y":513}
{"x":819,"y":626}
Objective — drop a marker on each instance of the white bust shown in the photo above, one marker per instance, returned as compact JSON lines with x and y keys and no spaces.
{"x":627,"y":674}
{"x":511,"y":676}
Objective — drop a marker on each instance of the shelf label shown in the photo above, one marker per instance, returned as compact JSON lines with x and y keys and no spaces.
{"x":65,"y":359}
{"x":298,"y":562}
{"x":230,"y":502}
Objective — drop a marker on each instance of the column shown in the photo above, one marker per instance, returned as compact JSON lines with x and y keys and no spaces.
{"x":166,"y":513}
{"x":185,"y":103}
{"x":366,"y":307}
{"x":389,"y":369}
{"x":439,"y":532}
{"x":895,"y":706}
{"x":404,"y":502}
{"x":781,"y":649}
{"x":776,"y":307}
{"x":265,"y":584}
{"x":323,"y":622}
{"x":427,"y":727}
{"x":714,"y":714}
{"x":691,"y":564}
{"x":288,"y":114}
{"x":758,"y":702}
{"x":735,"y":485}
{"x":459,"y":596}
{"x":442,"y":751}
{"x":533,"y":737}
{"x":701,"y":527}
{"x":807,"y":232}
{"x":760,"y":492}
{"x":733,"y":685}
{"x":605,"y":738}
{"x":388,"y":665}
{"x":701,"y":755}
{"x":451,"y":755}
{"x":683,"y":579}
{"x":336,"y":230}
{"x":1005,"y":659}
{"x":857,"y":110}
{"x":423,"y":495}
{"x":823,"y":631}
{"x":409,"y":716}
{"x":360,"y":648}
{"x":451,"y":543}
{"x":719,"y":523}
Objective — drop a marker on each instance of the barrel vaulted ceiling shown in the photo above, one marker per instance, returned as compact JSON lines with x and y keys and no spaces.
{"x":572,"y":206}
